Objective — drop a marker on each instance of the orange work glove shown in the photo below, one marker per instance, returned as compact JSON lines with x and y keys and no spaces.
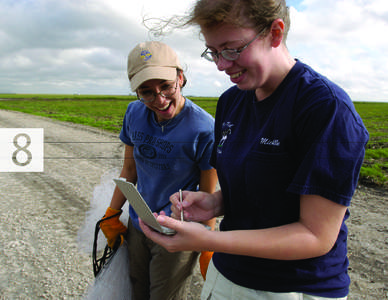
{"x":204,"y":260}
{"x":112,"y":227}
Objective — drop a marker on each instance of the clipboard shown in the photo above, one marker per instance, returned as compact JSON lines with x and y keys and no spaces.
{"x":140,"y":206}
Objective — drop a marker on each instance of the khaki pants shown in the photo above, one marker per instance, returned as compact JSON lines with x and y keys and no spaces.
{"x":217,"y":287}
{"x":155,"y":273}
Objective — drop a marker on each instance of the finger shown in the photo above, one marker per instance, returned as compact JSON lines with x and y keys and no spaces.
{"x":168,"y":222}
{"x":144,"y":227}
{"x":175,"y":211}
{"x":188,"y":198}
{"x":186,"y":215}
{"x":175,"y":216}
{"x":165,"y":241}
{"x":148,"y":231}
{"x":174,"y":199}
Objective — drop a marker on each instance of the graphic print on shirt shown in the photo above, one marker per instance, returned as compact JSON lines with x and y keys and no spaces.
{"x":226,"y":131}
{"x":153,"y":150}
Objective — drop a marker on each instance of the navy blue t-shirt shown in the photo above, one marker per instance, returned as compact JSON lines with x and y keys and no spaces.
{"x":306,"y":138}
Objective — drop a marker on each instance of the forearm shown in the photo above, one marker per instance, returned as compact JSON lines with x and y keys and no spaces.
{"x":289,"y":242}
{"x":208,"y":183}
{"x":129,"y":173}
{"x":313,"y":235}
{"x":118,"y":199}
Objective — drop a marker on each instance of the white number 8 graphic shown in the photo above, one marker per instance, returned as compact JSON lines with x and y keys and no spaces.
{"x":21,"y":149}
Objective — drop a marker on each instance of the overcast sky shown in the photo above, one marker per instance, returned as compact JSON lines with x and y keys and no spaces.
{"x":81,"y":46}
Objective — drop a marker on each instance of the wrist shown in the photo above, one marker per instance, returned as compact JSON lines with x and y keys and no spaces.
{"x":112,"y":211}
{"x":206,"y":241}
{"x":218,"y":204}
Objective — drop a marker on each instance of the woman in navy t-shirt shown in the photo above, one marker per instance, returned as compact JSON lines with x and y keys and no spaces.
{"x":288,"y":149}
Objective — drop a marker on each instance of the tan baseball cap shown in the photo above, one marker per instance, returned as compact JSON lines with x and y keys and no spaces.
{"x":152,"y":60}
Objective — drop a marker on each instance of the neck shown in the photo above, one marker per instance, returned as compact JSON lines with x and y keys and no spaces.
{"x":279,"y":72}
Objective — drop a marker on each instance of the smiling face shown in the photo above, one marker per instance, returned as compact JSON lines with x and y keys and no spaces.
{"x":165,"y":108}
{"x":249,"y":70}
{"x":261,"y":66}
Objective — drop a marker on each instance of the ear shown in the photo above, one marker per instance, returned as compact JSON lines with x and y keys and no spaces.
{"x":181,"y":79}
{"x":277,"y":32}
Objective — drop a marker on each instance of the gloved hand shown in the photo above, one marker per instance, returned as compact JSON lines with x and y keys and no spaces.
{"x":204,"y":260}
{"x":112,"y":227}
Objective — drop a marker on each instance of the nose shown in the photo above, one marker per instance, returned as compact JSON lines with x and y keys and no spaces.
{"x":159,"y":98}
{"x":223,"y":64}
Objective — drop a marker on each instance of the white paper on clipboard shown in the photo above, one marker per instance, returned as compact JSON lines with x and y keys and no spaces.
{"x":140,"y":206}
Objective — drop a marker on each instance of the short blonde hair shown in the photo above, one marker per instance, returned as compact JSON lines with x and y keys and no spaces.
{"x":257,"y":14}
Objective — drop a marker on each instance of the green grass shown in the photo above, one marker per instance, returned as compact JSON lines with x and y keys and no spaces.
{"x":104,"y":112}
{"x":107,"y":112}
{"x":375,"y":167}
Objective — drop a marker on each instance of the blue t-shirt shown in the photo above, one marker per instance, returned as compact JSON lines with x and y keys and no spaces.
{"x":306,"y":138}
{"x":170,"y":155}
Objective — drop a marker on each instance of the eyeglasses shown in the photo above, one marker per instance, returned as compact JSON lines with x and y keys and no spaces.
{"x":228,"y":54}
{"x":149,"y":96}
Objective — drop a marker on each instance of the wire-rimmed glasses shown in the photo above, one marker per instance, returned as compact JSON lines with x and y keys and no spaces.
{"x":228,"y":54}
{"x":149,"y":96}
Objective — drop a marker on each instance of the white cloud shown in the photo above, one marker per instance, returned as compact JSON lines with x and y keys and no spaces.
{"x":49,"y":46}
{"x":345,"y":40}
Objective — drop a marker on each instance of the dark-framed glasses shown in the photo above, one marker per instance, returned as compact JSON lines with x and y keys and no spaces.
{"x":167,"y":90}
{"x":228,"y":54}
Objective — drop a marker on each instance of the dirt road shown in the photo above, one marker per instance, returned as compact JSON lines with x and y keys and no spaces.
{"x":41,"y":214}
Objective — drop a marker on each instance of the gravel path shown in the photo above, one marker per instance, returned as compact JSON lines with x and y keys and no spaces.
{"x":42,"y":215}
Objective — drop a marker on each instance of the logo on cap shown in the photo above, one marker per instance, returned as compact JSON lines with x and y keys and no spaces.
{"x":145,"y":55}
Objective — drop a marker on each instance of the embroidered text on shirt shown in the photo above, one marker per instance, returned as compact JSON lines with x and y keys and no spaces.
{"x":266,"y":141}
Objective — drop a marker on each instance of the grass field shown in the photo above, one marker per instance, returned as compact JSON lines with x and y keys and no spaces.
{"x":106,"y":112}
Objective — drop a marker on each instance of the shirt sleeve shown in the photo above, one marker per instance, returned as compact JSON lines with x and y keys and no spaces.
{"x":331,"y":145}
{"x":204,"y":150}
{"x":125,"y":129}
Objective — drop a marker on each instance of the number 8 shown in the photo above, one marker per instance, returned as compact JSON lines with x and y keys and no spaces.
{"x":23,"y":149}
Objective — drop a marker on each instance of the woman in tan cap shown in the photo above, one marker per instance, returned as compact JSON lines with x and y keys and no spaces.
{"x":168,"y":141}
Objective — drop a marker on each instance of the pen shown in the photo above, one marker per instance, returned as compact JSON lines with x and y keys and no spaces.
{"x":180,"y":199}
